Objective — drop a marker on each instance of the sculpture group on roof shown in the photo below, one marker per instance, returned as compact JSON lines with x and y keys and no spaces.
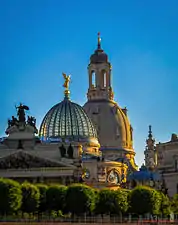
{"x":66,"y":153}
{"x":21,"y":118}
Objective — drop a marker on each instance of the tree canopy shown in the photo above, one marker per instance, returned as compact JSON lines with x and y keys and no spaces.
{"x":111,"y":202}
{"x":10,"y":196}
{"x":165,"y":206}
{"x":30,"y":197}
{"x":175,"y":203}
{"x":55,"y":197}
{"x":144,"y":200}
{"x":80,"y":199}
{"x":42,"y":201}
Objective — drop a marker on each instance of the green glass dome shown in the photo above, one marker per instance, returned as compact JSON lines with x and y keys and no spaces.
{"x":67,"y":121}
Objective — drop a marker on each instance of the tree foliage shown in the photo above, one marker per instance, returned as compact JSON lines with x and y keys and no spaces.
{"x":30,"y":197}
{"x":10,"y":196}
{"x":175,"y":204}
{"x":105,"y":202}
{"x":42,"y":200}
{"x":122,"y":201}
{"x":144,"y":200}
{"x":165,"y":206}
{"x":156,"y":201}
{"x":80,"y":199}
{"x":55,"y":197}
{"x":111,"y":202}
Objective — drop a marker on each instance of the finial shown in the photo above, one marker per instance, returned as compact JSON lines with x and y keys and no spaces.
{"x":150,"y":132}
{"x":66,"y":85}
{"x":99,"y":41}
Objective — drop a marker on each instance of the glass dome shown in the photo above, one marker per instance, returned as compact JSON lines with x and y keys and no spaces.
{"x":67,"y":121}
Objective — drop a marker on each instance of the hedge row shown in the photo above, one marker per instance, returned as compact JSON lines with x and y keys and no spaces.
{"x":79,"y":199}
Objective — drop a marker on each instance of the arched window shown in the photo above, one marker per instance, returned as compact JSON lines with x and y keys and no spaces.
{"x":93,"y":78}
{"x":103,"y":78}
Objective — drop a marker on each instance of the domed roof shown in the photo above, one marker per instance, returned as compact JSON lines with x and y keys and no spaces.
{"x":144,"y":175}
{"x":115,"y":133}
{"x":99,"y":55}
{"x":67,"y":121}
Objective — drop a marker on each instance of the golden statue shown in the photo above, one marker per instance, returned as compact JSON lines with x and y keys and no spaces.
{"x":99,"y":41}
{"x":67,"y":81}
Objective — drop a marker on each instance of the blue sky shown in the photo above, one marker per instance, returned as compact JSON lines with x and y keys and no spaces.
{"x":42,"y":38}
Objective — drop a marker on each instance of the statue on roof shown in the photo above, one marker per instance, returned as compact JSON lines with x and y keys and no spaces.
{"x":21,"y":112}
{"x":67,"y":81}
{"x":12,"y":122}
{"x":31,"y":121}
{"x":62,"y":150}
{"x":99,"y":40}
{"x":70,"y":152}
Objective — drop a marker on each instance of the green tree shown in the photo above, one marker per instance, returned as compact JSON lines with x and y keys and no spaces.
{"x":112,"y":202}
{"x":80,"y":199}
{"x":10,"y":196}
{"x":55,"y":197}
{"x":165,"y":206}
{"x":105,"y":202}
{"x":121,"y":199}
{"x":156,"y":202}
{"x":175,"y":204}
{"x":42,"y":201}
{"x":30,"y":197}
{"x":144,"y":200}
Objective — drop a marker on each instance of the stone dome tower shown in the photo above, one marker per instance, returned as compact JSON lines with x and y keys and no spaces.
{"x":112,"y":124}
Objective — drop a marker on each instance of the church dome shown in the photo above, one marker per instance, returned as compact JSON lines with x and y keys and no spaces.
{"x":67,"y":121}
{"x":99,"y":55}
{"x":114,"y":133}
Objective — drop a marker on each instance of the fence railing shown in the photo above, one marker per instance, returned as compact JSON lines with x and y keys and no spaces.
{"x":109,"y":220}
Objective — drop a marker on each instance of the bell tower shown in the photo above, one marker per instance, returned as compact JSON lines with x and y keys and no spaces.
{"x":110,"y":120}
{"x":150,"y":153}
{"x":99,"y":72}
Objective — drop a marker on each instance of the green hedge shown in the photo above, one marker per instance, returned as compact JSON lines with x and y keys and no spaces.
{"x":79,"y":199}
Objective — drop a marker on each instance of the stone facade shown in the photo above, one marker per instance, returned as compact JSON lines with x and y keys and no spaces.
{"x":24,"y":157}
{"x":167,"y":163}
{"x":163,"y":158}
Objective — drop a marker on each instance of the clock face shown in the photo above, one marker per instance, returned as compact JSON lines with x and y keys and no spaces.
{"x":113,"y":177}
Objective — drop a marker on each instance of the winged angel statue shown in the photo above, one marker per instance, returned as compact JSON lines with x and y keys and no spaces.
{"x":67,"y":80}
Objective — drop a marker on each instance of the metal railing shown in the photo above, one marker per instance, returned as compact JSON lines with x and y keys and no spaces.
{"x":110,"y":220}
